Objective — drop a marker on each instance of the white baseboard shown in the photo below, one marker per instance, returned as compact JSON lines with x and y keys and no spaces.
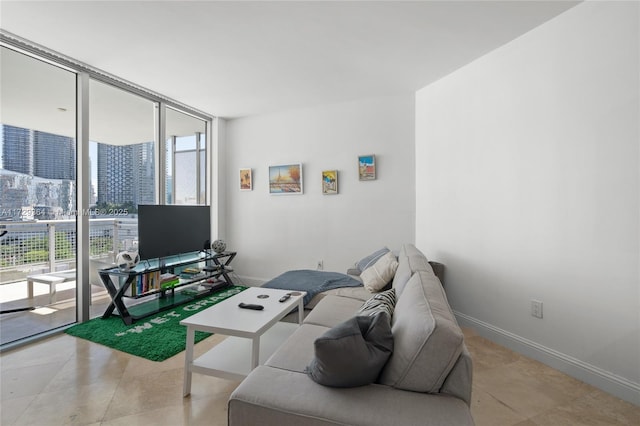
{"x":610,"y":383}
{"x":250,"y":281}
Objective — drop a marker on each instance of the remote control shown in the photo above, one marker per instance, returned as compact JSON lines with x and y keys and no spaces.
{"x":284,"y":298}
{"x":251,"y":306}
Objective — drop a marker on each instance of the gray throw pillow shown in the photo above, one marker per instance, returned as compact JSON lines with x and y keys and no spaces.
{"x":385,"y":301}
{"x":365,"y":262}
{"x":352,"y":353}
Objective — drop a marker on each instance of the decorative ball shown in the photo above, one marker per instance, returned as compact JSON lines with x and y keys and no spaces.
{"x":127,"y":260}
{"x":219,"y":246}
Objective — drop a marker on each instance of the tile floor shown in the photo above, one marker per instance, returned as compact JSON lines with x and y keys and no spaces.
{"x":48,"y":316}
{"x":65,"y":380}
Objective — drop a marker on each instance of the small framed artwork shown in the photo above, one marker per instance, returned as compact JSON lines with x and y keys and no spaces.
{"x":367,"y":167}
{"x":330,"y":182}
{"x":285,"y":179}
{"x":246,"y":180}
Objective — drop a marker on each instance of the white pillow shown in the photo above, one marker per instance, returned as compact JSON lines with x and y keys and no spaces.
{"x":376,"y":277}
{"x":366,"y":262}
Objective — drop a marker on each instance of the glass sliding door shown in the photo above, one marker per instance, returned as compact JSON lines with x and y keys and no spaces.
{"x":37,"y":196}
{"x":186,"y":149}
{"x":40,"y":161}
{"x":122,"y":134}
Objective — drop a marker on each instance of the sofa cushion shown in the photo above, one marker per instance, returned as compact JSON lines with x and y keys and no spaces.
{"x":369,"y":260}
{"x":376,"y":276}
{"x":332,"y":310}
{"x":403,"y":272}
{"x":353,"y":352}
{"x":296,"y":352}
{"x":410,"y":260}
{"x":359,"y":293}
{"x":274,"y":397}
{"x":427,"y":338}
{"x":381,"y":302}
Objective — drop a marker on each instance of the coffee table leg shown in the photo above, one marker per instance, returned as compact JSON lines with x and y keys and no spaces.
{"x":255,"y":352}
{"x":188,"y":360}
{"x":300,"y":311}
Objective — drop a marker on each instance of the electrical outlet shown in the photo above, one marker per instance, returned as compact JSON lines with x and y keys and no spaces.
{"x":320,"y":266}
{"x":536,"y":308}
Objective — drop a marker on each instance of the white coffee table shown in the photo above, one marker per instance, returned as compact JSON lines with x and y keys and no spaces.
{"x":254,"y":335}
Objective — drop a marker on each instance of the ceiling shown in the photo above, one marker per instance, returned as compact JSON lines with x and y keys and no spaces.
{"x":39,"y":96}
{"x":233,"y":59}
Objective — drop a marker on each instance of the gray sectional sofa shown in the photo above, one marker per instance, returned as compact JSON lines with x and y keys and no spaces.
{"x":425,"y":381}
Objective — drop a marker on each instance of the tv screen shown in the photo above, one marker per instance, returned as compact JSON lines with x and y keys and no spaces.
{"x":169,"y":230}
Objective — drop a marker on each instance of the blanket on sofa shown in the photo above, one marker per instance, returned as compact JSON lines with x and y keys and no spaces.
{"x":311,"y":281}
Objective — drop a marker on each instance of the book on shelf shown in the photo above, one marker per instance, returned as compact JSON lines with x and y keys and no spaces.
{"x":168,"y":281}
{"x":167,"y":277}
{"x":169,"y":284}
{"x":144,"y":283}
{"x":190,"y":273}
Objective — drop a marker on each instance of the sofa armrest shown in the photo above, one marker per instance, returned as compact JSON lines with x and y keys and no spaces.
{"x":355,"y":272}
{"x":438,"y":270}
{"x":459,"y":381}
{"x":272,"y":396}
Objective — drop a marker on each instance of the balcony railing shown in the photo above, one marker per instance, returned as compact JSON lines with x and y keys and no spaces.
{"x":50,"y":245}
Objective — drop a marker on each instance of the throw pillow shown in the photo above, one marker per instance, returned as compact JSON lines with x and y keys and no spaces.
{"x":427,"y":338}
{"x":382,"y":302}
{"x":377,"y":276}
{"x":352,"y":353}
{"x":365,"y":262}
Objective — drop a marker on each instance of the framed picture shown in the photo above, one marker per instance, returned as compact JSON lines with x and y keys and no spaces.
{"x":246,"y":180}
{"x":367,"y":167}
{"x":330,"y":182}
{"x":285,"y":179}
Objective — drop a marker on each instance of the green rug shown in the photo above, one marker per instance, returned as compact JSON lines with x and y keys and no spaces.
{"x":156,"y":337}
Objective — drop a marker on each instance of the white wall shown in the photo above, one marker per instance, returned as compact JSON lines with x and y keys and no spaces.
{"x":217,"y":188}
{"x":276,"y":233}
{"x":527,"y":187}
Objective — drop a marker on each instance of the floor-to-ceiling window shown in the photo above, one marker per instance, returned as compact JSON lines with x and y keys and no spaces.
{"x":130,"y":130}
{"x":123,"y":142}
{"x":37,"y":196}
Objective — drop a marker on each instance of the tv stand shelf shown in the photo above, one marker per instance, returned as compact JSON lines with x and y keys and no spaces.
{"x":216,"y":269}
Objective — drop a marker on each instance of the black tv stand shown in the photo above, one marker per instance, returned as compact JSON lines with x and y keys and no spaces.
{"x":144,"y":281}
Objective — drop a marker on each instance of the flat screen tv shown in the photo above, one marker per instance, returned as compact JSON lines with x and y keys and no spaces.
{"x":172,"y":229}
